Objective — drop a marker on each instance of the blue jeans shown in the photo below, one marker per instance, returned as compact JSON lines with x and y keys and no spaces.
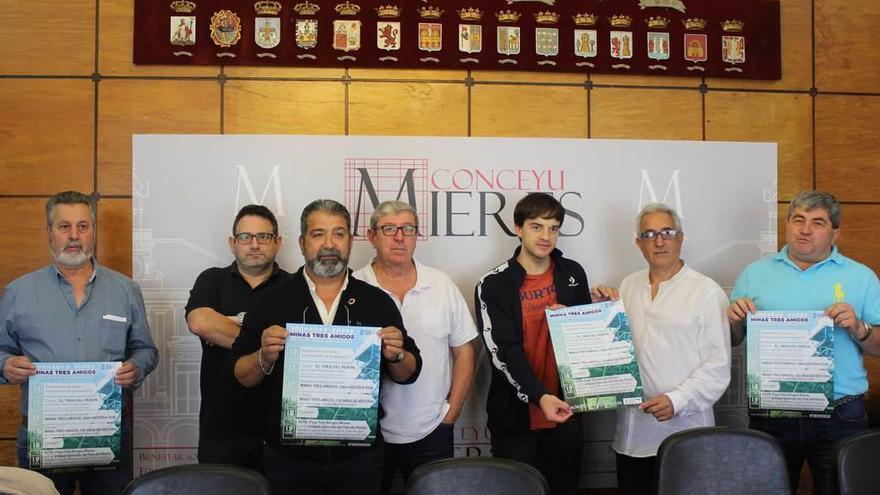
{"x":408,"y":456}
{"x":94,"y":482}
{"x":813,"y":440}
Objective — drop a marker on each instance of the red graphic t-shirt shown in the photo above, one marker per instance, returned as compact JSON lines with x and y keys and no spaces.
{"x":536,"y":294}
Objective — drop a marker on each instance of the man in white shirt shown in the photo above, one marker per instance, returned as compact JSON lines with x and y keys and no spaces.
{"x":419,"y":418}
{"x":680,"y":331}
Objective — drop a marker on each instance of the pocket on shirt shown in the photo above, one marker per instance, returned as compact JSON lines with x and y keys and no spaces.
{"x":113,"y":338}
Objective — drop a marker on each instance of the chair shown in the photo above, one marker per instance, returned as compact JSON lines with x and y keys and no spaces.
{"x":476,"y":475}
{"x":213,"y":479}
{"x":721,"y":461}
{"x":856,"y":462}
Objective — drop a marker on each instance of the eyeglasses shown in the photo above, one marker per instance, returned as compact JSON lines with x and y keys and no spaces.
{"x":665,"y":234}
{"x":391,"y":230}
{"x":247,"y":237}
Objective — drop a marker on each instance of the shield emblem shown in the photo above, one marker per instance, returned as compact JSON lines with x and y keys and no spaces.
{"x":547,"y":41}
{"x":183,"y":30}
{"x":733,"y":49}
{"x":346,"y":35}
{"x":306,"y":33}
{"x":658,"y":46}
{"x":267,"y":32}
{"x":388,"y":35}
{"x":470,"y":38}
{"x":430,"y":36}
{"x":508,"y":40}
{"x":695,"y":47}
{"x":585,"y":41}
{"x":225,"y":28}
{"x":621,"y":44}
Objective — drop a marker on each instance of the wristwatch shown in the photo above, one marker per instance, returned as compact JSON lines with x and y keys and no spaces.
{"x":868,"y":330}
{"x":239,"y":318}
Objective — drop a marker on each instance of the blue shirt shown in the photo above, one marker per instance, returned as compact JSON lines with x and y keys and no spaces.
{"x":39,"y":319}
{"x":776,"y":283}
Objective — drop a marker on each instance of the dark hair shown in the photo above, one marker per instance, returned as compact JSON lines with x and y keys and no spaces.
{"x":256,"y":211}
{"x":328,"y":206}
{"x":809,"y":200}
{"x":70,"y":198}
{"x":538,"y":205}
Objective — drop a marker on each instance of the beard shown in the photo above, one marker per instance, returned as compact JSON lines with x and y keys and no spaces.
{"x":72,"y":260}
{"x":327,"y":268}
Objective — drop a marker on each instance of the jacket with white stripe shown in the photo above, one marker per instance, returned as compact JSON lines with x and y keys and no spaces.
{"x":499,"y":317}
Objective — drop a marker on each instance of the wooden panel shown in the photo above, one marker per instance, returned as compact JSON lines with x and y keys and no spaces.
{"x":872,"y":364}
{"x":847,"y":41}
{"x":7,"y":453}
{"x":858,"y":234}
{"x":528,"y":77}
{"x":275,"y":107}
{"x":48,"y":37}
{"x":797,"y":45}
{"x":114,"y":234}
{"x":655,"y":81}
{"x":428,"y":109}
{"x":645,"y":114}
{"x":284,"y":72}
{"x":10,"y":417}
{"x":46,"y":129}
{"x":528,"y":111}
{"x":129,"y":107}
{"x":408,"y":74}
{"x":23,"y":237}
{"x":116,"y":40}
{"x":848,"y":147}
{"x":766,"y":117}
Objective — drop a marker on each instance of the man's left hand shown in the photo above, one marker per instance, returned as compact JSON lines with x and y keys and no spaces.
{"x":844,"y":316}
{"x":392,"y":343}
{"x":660,"y":406}
{"x":127,"y":374}
{"x":600,"y":293}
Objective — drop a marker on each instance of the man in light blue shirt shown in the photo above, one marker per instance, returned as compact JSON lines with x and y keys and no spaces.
{"x":809,"y":273}
{"x":71,"y":311}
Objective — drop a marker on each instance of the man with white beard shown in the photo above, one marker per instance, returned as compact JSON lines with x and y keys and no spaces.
{"x":75,"y":310}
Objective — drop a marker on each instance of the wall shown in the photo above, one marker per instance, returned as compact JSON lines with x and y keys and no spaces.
{"x":70,"y":99}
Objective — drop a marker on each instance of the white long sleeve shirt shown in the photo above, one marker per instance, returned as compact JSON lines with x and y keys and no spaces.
{"x":682,"y":342}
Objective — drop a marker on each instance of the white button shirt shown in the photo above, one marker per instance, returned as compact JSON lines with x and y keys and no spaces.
{"x":682,"y":342}
{"x":436,"y":316}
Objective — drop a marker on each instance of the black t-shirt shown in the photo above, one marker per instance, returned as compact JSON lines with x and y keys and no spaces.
{"x":360,"y":304}
{"x":227,"y":408}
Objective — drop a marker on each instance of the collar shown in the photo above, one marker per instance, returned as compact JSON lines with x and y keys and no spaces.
{"x":834,"y":257}
{"x":314,"y":288}
{"x":421,"y":279}
{"x":233,"y":268}
{"x":554,"y":255}
{"x":91,"y":277}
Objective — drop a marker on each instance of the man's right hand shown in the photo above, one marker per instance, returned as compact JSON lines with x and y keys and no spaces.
{"x":17,"y":369}
{"x":272,"y":343}
{"x":739,"y":309}
{"x":554,"y":408}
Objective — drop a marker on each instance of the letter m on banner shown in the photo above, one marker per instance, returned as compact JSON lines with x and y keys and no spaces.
{"x":647,"y":192}
{"x":370,"y":181}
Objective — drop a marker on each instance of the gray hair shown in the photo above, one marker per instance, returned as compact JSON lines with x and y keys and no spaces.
{"x":657,"y":208}
{"x":328,"y":206}
{"x":807,"y":200}
{"x":70,"y":198}
{"x":392,"y":207}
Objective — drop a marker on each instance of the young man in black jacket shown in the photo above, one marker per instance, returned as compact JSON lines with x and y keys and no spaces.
{"x":527,"y":419}
{"x":321,"y":292}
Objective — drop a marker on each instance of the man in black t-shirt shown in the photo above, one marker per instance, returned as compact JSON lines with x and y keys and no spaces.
{"x":229,"y":432}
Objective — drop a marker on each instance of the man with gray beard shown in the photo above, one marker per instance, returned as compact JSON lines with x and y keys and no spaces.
{"x":75,"y":310}
{"x":321,"y":292}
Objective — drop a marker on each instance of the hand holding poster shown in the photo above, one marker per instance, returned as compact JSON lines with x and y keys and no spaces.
{"x":330,"y":394}
{"x":74,"y":415}
{"x":790,"y":361}
{"x":595,"y":356}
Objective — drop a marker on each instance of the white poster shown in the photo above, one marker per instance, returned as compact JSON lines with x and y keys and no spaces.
{"x":187,"y":189}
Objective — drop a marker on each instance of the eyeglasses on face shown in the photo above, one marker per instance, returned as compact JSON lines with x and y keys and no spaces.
{"x":247,"y":237}
{"x":665,"y":234}
{"x":391,"y":230}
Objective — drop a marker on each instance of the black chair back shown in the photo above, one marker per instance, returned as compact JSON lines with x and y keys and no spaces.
{"x":478,"y":476}
{"x":856,"y":461}
{"x":721,"y":461}
{"x":191,"y":479}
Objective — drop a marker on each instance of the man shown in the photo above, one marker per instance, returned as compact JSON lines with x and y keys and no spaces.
{"x":527,"y":420}
{"x":810,"y":274}
{"x":229,"y":432}
{"x":321,"y":292}
{"x":680,"y":333}
{"x":418,"y":422}
{"x":76,"y":310}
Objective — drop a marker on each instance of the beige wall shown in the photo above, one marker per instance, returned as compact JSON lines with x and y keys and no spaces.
{"x":70,"y":99}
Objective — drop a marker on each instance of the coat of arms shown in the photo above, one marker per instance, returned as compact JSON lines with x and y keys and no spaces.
{"x":388,"y":35}
{"x":621,"y":44}
{"x":733,"y":49}
{"x":695,"y":47}
{"x":585,"y":43}
{"x":306,"y":33}
{"x":183,"y":30}
{"x":470,"y":38}
{"x":346,"y":35}
{"x":547,"y":41}
{"x":658,"y":46}
{"x":508,"y":40}
{"x":267,"y":32}
{"x":430,"y":36}
{"x":225,"y":28}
